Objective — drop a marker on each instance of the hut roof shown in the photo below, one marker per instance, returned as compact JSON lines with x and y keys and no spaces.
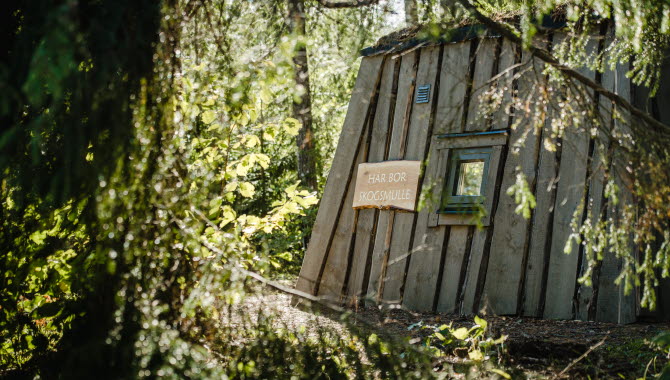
{"x":419,"y":36}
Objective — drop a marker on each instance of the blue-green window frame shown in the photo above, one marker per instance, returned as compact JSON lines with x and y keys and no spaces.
{"x":464,"y":204}
{"x":447,"y":152}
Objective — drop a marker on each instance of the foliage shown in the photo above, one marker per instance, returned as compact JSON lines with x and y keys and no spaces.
{"x":145,"y":170}
{"x":473,"y":341}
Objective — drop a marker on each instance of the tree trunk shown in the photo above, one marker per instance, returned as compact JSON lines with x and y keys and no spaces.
{"x":302,"y":108}
{"x":411,"y":15}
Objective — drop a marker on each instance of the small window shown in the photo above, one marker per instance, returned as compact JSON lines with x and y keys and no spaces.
{"x":467,"y":171}
{"x":464,"y":175}
{"x":470,"y":178}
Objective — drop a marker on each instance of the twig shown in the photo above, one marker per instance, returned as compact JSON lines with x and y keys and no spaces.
{"x":347,"y":4}
{"x":583,"y":356}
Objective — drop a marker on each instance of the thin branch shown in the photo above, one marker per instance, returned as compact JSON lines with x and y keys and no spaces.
{"x":583,"y":355}
{"x":347,"y":4}
{"x":552,"y":61}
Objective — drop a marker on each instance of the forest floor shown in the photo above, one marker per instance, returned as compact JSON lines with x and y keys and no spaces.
{"x":534,"y":348}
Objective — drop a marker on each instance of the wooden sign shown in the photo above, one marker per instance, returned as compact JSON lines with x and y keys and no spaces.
{"x":391,"y":184}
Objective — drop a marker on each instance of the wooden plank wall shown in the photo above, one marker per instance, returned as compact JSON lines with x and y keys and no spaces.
{"x":426,"y":255}
{"x":514,"y":266}
{"x":332,"y":202}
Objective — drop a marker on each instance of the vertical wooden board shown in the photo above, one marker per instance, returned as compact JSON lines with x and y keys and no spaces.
{"x":596,"y":188}
{"x":379,"y":251}
{"x":454,"y":77}
{"x":628,"y":303}
{"x":332,"y":280}
{"x":403,"y":105}
{"x":340,"y":172}
{"x":510,"y":232}
{"x":456,"y":253}
{"x":545,"y":199}
{"x":508,"y":58}
{"x":562,"y":274}
{"x":366,"y":218}
{"x":423,"y":272}
{"x":484,"y":65}
{"x":613,"y":305}
{"x":545,"y":195}
{"x":398,"y":255}
{"x":608,"y":292}
{"x":416,"y":148}
{"x":472,"y":274}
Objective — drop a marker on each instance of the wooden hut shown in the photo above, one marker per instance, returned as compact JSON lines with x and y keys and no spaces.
{"x":418,"y":100}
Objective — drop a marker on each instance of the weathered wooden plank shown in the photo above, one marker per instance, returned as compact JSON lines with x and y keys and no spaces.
{"x":629,"y":304}
{"x":485,"y":64}
{"x":457,"y":249}
{"x":366,"y":226}
{"x":416,"y":148}
{"x":510,"y":233}
{"x":545,"y":195}
{"x":613,"y":305}
{"x":562,"y":274}
{"x":424,"y":268}
{"x":501,"y":119}
{"x":492,"y":178}
{"x":332,"y":280}
{"x":596,"y":188}
{"x":472,"y":274}
{"x":472,"y":141}
{"x":403,"y":106}
{"x":336,"y":185}
{"x":508,"y":57}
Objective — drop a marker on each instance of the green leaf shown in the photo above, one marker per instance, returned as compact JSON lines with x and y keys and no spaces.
{"x":247,"y":190}
{"x":501,"y":373}
{"x":252,"y":141}
{"x":242,"y":168}
{"x":228,"y":216}
{"x":208,"y":116}
{"x":230,"y":186}
{"x":262,"y":160}
{"x":47,"y":310}
{"x":460,"y":333}
{"x":292,"y":126}
{"x":481,"y":322}
{"x":291,"y":189}
{"x":215,"y":207}
{"x":663,"y":340}
{"x":285,"y":255}
{"x":476,"y":355}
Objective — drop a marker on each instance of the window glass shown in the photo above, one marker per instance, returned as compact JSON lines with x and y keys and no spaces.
{"x":470,"y":176}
